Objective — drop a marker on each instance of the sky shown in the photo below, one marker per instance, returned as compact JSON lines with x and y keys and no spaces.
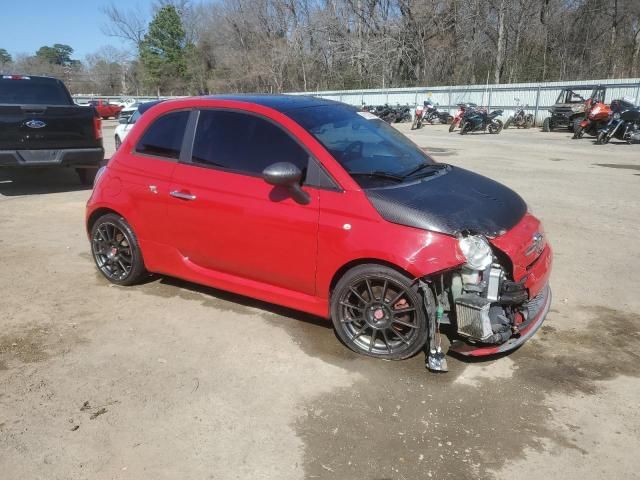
{"x":27,"y":25}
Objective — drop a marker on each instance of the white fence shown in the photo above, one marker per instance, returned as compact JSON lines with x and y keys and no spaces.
{"x":537,"y":96}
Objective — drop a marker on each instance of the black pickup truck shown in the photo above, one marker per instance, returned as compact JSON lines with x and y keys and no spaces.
{"x":41,"y":126}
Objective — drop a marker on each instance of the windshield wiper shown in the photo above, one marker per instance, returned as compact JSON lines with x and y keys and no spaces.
{"x":379,"y":174}
{"x":422,"y":166}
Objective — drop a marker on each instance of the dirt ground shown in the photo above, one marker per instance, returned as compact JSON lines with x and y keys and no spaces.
{"x":171,"y":380}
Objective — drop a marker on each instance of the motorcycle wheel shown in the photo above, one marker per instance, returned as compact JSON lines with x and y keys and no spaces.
{"x":463,"y":129}
{"x":578,"y":132}
{"x":507,"y":124}
{"x":495,"y":127}
{"x":414,"y":124}
{"x":528,"y":123}
{"x":602,"y":138}
{"x":452,"y":127}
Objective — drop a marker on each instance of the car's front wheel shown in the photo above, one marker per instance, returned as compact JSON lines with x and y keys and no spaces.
{"x":116,"y":251}
{"x":377,"y":311}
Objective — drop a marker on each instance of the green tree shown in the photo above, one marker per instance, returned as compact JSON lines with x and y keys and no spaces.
{"x":58,"y":54}
{"x":164,"y":51}
{"x":5,"y":57}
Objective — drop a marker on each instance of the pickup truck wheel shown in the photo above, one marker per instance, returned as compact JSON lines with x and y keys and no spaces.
{"x":87,"y":175}
{"x":116,"y":251}
{"x":379,"y":312}
{"x":546,"y":125}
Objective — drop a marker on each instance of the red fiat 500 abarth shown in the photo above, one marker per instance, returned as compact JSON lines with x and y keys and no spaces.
{"x":310,"y":204}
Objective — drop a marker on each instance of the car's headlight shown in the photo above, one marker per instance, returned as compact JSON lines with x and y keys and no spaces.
{"x":477,"y":251}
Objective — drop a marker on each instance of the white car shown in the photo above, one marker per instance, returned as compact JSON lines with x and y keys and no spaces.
{"x":125,"y":124}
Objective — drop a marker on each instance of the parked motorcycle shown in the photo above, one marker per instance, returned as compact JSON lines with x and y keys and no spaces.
{"x":478,"y":120}
{"x":462,"y":108}
{"x":428,"y":113}
{"x":520,"y":119}
{"x":624,"y":124}
{"x":597,"y":117}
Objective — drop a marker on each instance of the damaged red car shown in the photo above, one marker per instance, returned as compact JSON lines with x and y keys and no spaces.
{"x":311,"y":204}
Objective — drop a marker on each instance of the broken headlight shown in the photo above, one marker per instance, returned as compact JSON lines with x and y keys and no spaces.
{"x":477,"y":251}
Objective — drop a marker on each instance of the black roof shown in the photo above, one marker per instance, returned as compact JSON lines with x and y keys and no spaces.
{"x":281,"y":103}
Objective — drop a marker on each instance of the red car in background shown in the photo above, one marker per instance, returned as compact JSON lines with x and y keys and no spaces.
{"x":310,"y":204}
{"x":105,"y":109}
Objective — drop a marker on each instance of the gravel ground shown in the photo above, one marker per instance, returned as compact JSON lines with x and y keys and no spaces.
{"x":172,"y":380}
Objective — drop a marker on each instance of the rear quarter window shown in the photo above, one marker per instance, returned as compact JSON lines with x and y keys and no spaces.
{"x":163,"y":138}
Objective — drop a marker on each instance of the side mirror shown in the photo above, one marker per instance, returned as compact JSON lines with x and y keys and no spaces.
{"x":287,"y":175}
{"x":123,"y":120}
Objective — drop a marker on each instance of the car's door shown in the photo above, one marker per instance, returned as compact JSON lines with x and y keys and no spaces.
{"x":226,"y":218}
{"x":146,"y":173}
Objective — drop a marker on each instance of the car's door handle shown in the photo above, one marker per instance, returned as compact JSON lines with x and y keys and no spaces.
{"x":182,"y":195}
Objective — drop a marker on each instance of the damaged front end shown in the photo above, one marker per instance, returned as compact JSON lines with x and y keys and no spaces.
{"x":497,"y":299}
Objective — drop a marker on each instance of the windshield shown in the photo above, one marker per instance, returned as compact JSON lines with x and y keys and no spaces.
{"x":369,"y":149}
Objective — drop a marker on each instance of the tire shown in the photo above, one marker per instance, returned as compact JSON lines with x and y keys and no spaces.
{"x":118,"y":142}
{"x":463,"y":128}
{"x":116,"y":251}
{"x":602,"y":139}
{"x":452,"y":127}
{"x":362,"y":311}
{"x":87,"y":175}
{"x":528,"y":123}
{"x":546,"y":125}
{"x":495,"y":127}
{"x":507,"y":124}
{"x":578,"y":132}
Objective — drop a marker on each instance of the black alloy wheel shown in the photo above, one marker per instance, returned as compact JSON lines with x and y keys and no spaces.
{"x":378,"y":312}
{"x":115,"y":250}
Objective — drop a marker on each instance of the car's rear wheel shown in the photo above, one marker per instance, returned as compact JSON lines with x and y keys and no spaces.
{"x":378,"y":312}
{"x":116,"y":251}
{"x":118,"y":142}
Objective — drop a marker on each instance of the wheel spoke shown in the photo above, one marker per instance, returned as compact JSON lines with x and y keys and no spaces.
{"x":372,"y":342}
{"x":399,"y":335}
{"x":355,"y":292}
{"x":352,"y":320}
{"x":386,"y":340}
{"x":403,"y":310}
{"x":360,"y":332}
{"x":400,"y":322}
{"x":370,"y":290}
{"x":384,"y":291}
{"x":396,"y":298}
{"x":350,"y":305}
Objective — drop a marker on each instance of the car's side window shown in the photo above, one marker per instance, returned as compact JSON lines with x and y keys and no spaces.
{"x":243,"y":143}
{"x":163,"y":138}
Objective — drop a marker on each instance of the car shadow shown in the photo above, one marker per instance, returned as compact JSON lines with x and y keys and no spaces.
{"x":38,"y":181}
{"x":235,"y":300}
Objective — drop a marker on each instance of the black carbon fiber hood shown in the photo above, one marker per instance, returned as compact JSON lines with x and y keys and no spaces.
{"x":452,"y":201}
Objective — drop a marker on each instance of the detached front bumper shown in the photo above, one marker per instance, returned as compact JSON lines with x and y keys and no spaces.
{"x":542,"y":303}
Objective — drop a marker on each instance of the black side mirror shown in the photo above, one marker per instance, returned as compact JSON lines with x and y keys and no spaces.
{"x":287,"y":175}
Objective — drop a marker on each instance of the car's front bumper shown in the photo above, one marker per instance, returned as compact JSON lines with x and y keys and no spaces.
{"x":76,"y":157}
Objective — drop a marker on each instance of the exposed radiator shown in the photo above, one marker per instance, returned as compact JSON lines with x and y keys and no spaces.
{"x":472,"y":313}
